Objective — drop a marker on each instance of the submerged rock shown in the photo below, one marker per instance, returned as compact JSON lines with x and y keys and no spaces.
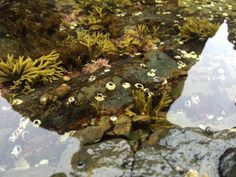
{"x":90,"y":134}
{"x":111,"y":158}
{"x":184,"y":149}
{"x":227,"y":166}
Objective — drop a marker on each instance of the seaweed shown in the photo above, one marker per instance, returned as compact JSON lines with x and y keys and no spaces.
{"x":143,"y":104}
{"x":108,"y":5}
{"x":36,"y":18}
{"x":23,"y":73}
{"x":198,"y":28}
{"x":97,"y":44}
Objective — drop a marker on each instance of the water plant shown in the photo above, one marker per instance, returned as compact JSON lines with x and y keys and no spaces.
{"x":108,"y":5}
{"x":143,"y":101}
{"x":198,"y":28}
{"x":96,"y":43}
{"x":144,"y":104}
{"x":23,"y":73}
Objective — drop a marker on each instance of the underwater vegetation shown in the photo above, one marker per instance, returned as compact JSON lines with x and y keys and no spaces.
{"x":96,"y":44}
{"x":198,"y":28}
{"x":145,"y":104}
{"x":38,"y":17}
{"x":23,"y":73}
{"x":108,"y":5}
{"x":95,"y":65}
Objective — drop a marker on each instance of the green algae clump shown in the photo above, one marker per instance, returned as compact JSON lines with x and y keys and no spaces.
{"x":23,"y":73}
{"x":196,"y":28}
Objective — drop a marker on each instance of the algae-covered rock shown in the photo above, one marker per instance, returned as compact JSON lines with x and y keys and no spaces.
{"x":91,"y":94}
{"x":200,"y":29}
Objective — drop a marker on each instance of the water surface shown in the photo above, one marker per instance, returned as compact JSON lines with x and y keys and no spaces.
{"x":209,"y":93}
{"x":27,"y":150}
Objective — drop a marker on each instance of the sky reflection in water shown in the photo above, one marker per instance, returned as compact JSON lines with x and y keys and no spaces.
{"x":26,"y":150}
{"x":209,"y":93}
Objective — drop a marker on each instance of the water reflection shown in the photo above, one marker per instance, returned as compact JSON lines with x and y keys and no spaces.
{"x":27,"y":150}
{"x":209,"y":93}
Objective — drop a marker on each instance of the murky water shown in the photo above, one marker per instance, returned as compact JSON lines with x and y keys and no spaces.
{"x":209,"y":94}
{"x":25,"y":145}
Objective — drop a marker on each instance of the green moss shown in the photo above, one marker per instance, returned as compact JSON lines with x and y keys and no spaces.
{"x":23,"y":73}
{"x":196,"y":28}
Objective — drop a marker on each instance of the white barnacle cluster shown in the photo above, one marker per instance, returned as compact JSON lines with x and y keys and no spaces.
{"x":152,"y":72}
{"x":181,"y":65}
{"x":143,"y":65}
{"x":36,"y":123}
{"x":70,"y":100}
{"x":141,"y":87}
{"x":113,"y":118}
{"x":186,"y":55}
{"x":110,"y":86}
{"x":92,"y":78}
{"x":157,"y":79}
{"x":126,"y":85}
{"x":100,"y":97}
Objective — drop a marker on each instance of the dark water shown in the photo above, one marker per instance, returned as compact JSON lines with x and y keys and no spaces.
{"x":209,"y":94}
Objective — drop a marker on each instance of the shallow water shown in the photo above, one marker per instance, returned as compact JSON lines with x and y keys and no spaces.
{"x":207,"y":100}
{"x":209,"y":93}
{"x":24,"y":145}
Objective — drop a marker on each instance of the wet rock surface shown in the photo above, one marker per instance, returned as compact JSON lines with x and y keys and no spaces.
{"x":89,"y":95}
{"x":227,"y":166}
{"x":181,"y":152}
{"x":185,"y":149}
{"x":109,"y":158}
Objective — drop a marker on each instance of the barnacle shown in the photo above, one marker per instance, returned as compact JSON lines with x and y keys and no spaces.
{"x":196,"y":28}
{"x":23,"y":72}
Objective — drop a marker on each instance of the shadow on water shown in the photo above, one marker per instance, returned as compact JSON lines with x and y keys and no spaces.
{"x":209,"y":92}
{"x":27,"y":150}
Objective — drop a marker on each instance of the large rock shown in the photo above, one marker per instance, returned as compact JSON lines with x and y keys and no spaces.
{"x":82,"y":102}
